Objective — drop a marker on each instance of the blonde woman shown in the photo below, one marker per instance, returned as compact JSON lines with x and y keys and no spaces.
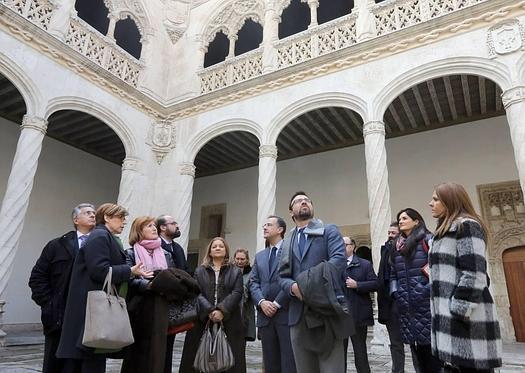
{"x":465,"y":329}
{"x":221,"y":287}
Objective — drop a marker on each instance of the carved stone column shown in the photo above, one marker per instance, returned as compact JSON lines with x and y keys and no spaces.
{"x":313,"y":4}
{"x":266,"y":188}
{"x":18,"y":191}
{"x":514,"y":102}
{"x":113,"y":18}
{"x":128,"y":179}
{"x":365,"y":23}
{"x":187,"y":177}
{"x":232,"y":39}
{"x":270,"y":35}
{"x":59,"y":22}
{"x":378,"y":207}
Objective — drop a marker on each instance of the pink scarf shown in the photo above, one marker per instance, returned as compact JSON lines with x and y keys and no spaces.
{"x":150,"y":254}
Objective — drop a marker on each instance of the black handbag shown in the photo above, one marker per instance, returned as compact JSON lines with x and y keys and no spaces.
{"x":182,"y":312}
{"x":214,"y":354}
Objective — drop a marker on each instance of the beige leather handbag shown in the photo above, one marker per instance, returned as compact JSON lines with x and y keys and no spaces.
{"x":107,"y":323}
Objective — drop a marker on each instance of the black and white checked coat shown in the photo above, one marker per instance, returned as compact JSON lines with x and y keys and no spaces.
{"x":465,"y":330}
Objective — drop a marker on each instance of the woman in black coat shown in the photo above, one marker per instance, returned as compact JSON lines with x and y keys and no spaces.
{"x":101,"y":251}
{"x":220,"y":300}
{"x":410,"y":287}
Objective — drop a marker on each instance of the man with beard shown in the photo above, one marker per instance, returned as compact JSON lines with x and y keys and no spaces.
{"x":387,"y":309}
{"x":168,"y":230}
{"x":49,"y":280}
{"x":312,"y":245}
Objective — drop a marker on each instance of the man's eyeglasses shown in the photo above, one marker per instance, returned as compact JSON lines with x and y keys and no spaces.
{"x":301,"y":200}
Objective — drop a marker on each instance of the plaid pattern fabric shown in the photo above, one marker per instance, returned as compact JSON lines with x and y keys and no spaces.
{"x":465,"y":328}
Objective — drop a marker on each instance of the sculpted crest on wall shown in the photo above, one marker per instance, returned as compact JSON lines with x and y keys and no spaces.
{"x":506,"y":37}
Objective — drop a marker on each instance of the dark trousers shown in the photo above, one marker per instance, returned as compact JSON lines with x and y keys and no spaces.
{"x":424,"y":361}
{"x":52,"y":364}
{"x":449,"y":369}
{"x":277,"y":348}
{"x":96,"y":364}
{"x":360,"y":351}
{"x":169,"y":353}
{"x":397,"y":349}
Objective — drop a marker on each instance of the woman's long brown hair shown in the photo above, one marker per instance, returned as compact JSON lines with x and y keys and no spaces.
{"x":207,"y":261}
{"x":457,"y":204}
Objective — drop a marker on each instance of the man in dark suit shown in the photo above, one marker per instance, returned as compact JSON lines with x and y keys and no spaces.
{"x":387,"y":308}
{"x":168,"y":230}
{"x":310,"y":243}
{"x":272,"y":301}
{"x":49,"y":280}
{"x":360,"y":281}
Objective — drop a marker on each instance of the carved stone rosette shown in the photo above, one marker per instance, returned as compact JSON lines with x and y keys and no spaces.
{"x":378,"y":189}
{"x":187,"y":178}
{"x":162,"y":139}
{"x":18,"y":191}
{"x":266,"y":187}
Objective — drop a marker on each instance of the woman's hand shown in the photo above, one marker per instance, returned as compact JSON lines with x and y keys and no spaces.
{"x":216,"y":316}
{"x":139,"y":271}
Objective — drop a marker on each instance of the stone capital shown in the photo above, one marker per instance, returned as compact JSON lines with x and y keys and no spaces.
{"x":269,"y":151}
{"x":187,"y":168}
{"x":513,"y":96}
{"x":374,"y":126}
{"x":34,"y":123}
{"x":130,"y":164}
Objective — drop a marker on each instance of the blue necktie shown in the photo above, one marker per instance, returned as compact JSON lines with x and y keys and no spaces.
{"x":273,"y":255}
{"x":83,"y":240}
{"x":302,"y":241}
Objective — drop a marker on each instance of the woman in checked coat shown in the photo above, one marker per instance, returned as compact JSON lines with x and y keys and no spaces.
{"x":465,"y":329}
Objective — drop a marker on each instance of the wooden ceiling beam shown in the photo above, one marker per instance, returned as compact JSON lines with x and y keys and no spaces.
{"x":421,"y":105}
{"x":435,"y":101}
{"x":466,"y":95}
{"x":396,"y":117}
{"x":450,"y":97}
{"x":407,"y":110}
{"x":344,"y":124}
{"x":482,"y":95}
{"x":319,"y":127}
{"x":299,"y":133}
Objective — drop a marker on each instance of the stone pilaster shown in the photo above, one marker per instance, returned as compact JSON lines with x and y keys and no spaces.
{"x":514,"y":102}
{"x":18,"y":191}
{"x":187,"y":178}
{"x":313,"y":4}
{"x":266,"y":188}
{"x":113,"y":19}
{"x":270,"y":35}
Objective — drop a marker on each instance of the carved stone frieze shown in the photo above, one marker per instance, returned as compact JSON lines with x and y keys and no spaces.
{"x":232,"y":16}
{"x":513,"y":95}
{"x":268,"y":151}
{"x":373,"y":127}
{"x":162,"y":139}
{"x":505,"y":37}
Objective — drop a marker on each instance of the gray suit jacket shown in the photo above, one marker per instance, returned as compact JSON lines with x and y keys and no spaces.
{"x":264,"y":284}
{"x":324,"y":243}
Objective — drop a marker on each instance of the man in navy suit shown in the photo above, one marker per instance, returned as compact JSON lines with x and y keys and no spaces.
{"x":272,"y":301}
{"x":310,"y":243}
{"x":169,"y":230}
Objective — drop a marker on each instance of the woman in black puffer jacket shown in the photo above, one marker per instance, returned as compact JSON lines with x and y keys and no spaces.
{"x":410,"y":288}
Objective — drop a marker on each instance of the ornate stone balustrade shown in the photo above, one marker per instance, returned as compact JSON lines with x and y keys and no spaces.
{"x":391,"y":16}
{"x":37,"y":11}
{"x":83,"y":38}
{"x":93,"y":45}
{"x":231,"y":71}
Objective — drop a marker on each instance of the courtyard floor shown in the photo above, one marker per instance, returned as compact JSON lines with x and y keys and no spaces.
{"x":25,"y":351}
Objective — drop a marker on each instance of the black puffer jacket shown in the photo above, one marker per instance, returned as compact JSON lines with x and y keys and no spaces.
{"x":411,"y":290}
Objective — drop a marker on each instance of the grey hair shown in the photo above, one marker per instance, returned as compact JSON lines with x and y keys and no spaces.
{"x":76,"y":210}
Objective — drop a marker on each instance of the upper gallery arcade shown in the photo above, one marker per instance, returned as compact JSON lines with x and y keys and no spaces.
{"x":216,"y":111}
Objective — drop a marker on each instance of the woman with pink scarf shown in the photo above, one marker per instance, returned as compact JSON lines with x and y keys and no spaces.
{"x":146,"y":306}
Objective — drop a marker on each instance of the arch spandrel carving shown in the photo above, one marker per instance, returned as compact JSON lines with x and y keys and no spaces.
{"x":132,"y":9}
{"x":232,"y":16}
